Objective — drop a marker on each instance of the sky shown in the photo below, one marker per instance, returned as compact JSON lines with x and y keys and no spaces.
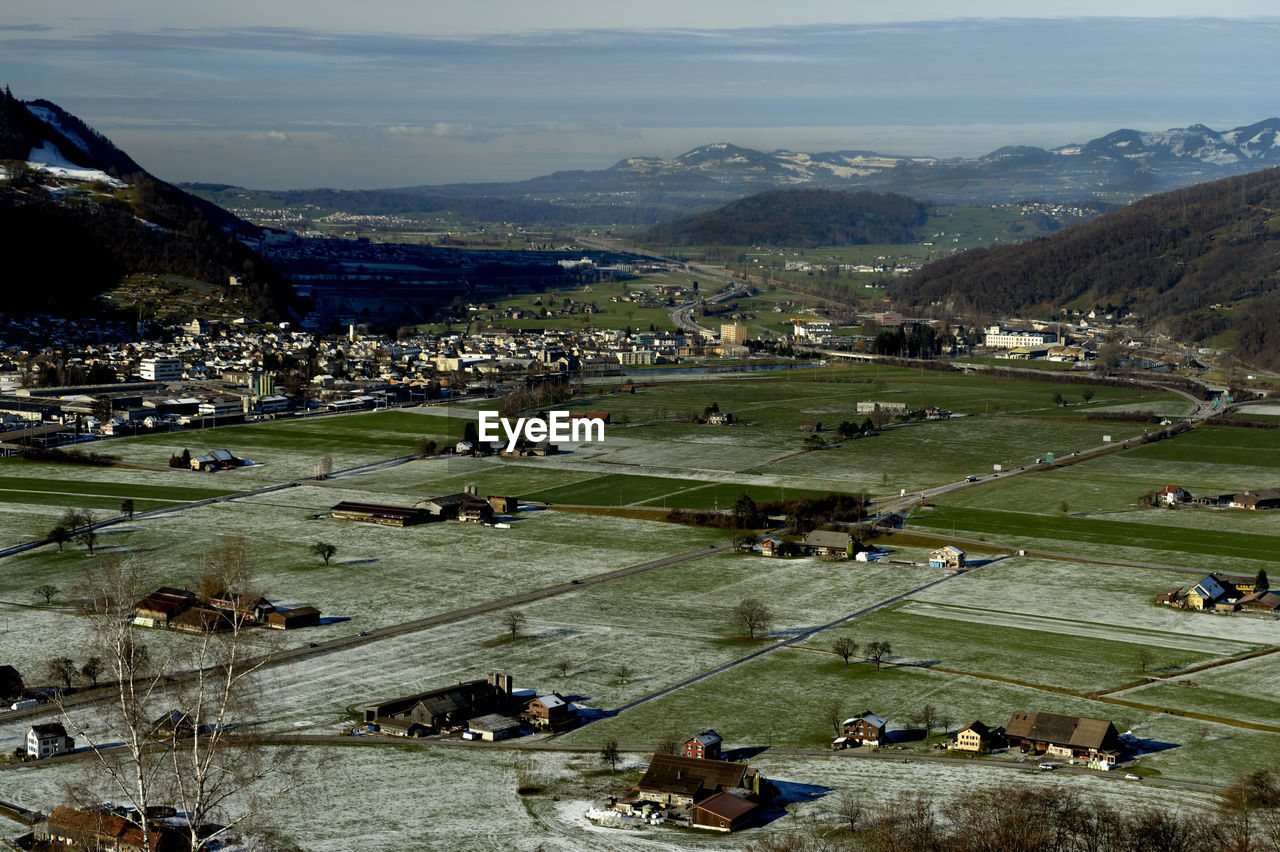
{"x":387,"y":93}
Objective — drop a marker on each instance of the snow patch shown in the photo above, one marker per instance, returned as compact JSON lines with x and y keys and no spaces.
{"x":50,"y":118}
{"x":49,"y":159}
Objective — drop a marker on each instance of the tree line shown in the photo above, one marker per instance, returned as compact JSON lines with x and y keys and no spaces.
{"x":800,"y":218}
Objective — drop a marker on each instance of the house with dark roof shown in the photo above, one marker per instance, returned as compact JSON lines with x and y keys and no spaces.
{"x":290,"y":619}
{"x":678,"y":781}
{"x":975,"y":737}
{"x":48,"y":739}
{"x":377,"y":513}
{"x":1264,"y":600}
{"x":551,"y":712}
{"x":864,"y":729}
{"x":704,"y":746}
{"x":1074,"y":737}
{"x":162,"y":606}
{"x":837,"y":545}
{"x":447,"y":708}
{"x":1262,"y":498}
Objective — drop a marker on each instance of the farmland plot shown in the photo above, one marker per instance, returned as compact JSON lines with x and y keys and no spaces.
{"x":1244,"y":691}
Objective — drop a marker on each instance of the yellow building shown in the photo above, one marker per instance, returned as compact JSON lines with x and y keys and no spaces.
{"x":733,"y":334}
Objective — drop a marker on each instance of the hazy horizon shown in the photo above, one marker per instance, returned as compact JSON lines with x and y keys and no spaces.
{"x":398,"y":94}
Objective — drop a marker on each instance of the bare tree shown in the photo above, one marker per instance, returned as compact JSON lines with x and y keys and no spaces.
{"x":751,"y":616}
{"x":850,"y":807}
{"x":845,"y":648}
{"x":669,"y":743}
{"x":609,"y":755}
{"x":59,"y":535}
{"x":87,"y":535}
{"x":563,"y":668}
{"x":877,"y":651}
{"x":1144,"y":658}
{"x":927,"y":718}
{"x":622,"y":672}
{"x":324,"y":550}
{"x":514,"y":620}
{"x":91,"y":669}
{"x":126,"y":508}
{"x":63,"y":669}
{"x":836,"y":716}
{"x":47,"y":591}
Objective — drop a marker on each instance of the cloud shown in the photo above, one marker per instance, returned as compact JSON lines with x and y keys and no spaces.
{"x":275,"y":137}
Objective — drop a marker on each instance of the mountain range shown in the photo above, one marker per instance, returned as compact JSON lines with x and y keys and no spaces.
{"x":1121,"y":166}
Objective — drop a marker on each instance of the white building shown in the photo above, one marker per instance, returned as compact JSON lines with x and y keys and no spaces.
{"x":161,"y":369}
{"x":48,"y":740}
{"x":999,"y":338}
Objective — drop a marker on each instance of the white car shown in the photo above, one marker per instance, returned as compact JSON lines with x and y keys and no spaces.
{"x":1048,"y":766}
{"x":1129,"y":776}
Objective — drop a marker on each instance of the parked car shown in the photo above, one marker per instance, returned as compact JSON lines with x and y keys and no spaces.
{"x":1048,"y":766}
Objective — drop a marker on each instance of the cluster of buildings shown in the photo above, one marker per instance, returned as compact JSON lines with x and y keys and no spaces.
{"x":1225,"y":593}
{"x":180,"y":609}
{"x":465,"y":506}
{"x":489,"y":709}
{"x":1078,"y":739}
{"x":1254,"y":499}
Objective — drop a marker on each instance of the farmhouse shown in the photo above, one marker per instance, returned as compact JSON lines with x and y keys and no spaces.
{"x":447,"y":708}
{"x":48,"y":739}
{"x":1219,"y":591}
{"x":1075,"y":737}
{"x":163,"y":605}
{"x":679,"y":781}
{"x":376,"y":513}
{"x":216,"y":460}
{"x":103,"y":829}
{"x":465,"y":506}
{"x":1265,"y":498}
{"x":823,"y":543}
{"x":248,"y":607}
{"x":864,"y":729}
{"x":947,"y":557}
{"x":1260,"y":601}
{"x":705,"y":746}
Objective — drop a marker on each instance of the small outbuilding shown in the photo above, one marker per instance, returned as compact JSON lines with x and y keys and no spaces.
{"x":948,"y":556}
{"x":723,"y":812}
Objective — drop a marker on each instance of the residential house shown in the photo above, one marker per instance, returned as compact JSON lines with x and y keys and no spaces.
{"x":705,"y":746}
{"x":1172,"y":495}
{"x":248,"y":608}
{"x":947,"y":557}
{"x":1076,"y":737}
{"x":1219,"y":591}
{"x":864,"y":729}
{"x":774,"y":547}
{"x":724,"y":811}
{"x":48,"y":739}
{"x":551,"y":712}
{"x":975,"y":737}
